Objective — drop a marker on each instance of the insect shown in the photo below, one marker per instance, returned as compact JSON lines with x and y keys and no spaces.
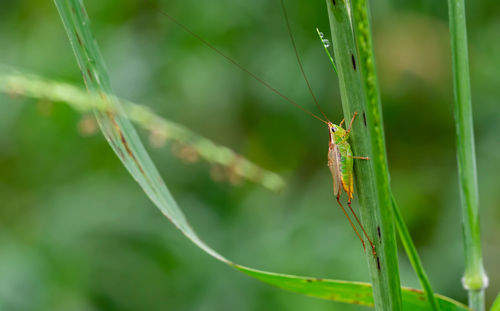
{"x":341,"y":162}
{"x":340,"y":158}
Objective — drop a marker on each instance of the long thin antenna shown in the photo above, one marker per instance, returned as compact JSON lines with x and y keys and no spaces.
{"x":298,"y":59}
{"x":240,"y":66}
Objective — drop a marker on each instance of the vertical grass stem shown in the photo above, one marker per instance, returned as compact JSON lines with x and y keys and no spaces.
{"x":475,"y":279}
{"x":367,"y":139}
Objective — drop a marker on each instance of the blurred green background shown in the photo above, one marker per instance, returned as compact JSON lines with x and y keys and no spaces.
{"x":77,"y":233}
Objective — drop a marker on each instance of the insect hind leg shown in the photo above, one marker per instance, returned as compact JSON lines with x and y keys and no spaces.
{"x":350,"y":221}
{"x":362,"y":228}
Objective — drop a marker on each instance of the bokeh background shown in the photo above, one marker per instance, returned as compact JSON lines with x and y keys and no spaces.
{"x":77,"y":233}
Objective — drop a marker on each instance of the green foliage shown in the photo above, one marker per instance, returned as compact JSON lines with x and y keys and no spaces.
{"x":77,"y":234}
{"x":122,"y":137}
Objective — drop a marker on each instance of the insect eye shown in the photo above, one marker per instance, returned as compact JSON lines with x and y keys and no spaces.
{"x":333,"y":130}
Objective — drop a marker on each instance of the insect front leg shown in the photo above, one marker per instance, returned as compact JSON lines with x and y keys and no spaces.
{"x":346,"y":135}
{"x":350,"y":124}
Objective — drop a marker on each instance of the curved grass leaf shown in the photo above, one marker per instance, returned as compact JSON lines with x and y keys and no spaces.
{"x":122,"y":137}
{"x":348,"y":292}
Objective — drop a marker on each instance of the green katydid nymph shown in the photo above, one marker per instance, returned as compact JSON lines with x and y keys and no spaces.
{"x":340,"y":158}
{"x":341,"y":162}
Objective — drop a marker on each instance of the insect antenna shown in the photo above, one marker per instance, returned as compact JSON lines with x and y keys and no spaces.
{"x":251,"y":74}
{"x":298,"y":59}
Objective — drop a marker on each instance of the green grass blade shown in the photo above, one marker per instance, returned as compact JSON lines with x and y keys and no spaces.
{"x":28,"y":85}
{"x":325,"y":45}
{"x":350,"y":292}
{"x":411,"y":251}
{"x":496,"y":304}
{"x":475,"y":279}
{"x":371,"y":176}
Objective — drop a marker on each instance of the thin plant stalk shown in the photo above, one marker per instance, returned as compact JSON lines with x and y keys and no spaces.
{"x":475,"y":279}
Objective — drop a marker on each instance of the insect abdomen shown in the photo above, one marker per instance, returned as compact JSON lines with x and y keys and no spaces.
{"x":346,"y":164}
